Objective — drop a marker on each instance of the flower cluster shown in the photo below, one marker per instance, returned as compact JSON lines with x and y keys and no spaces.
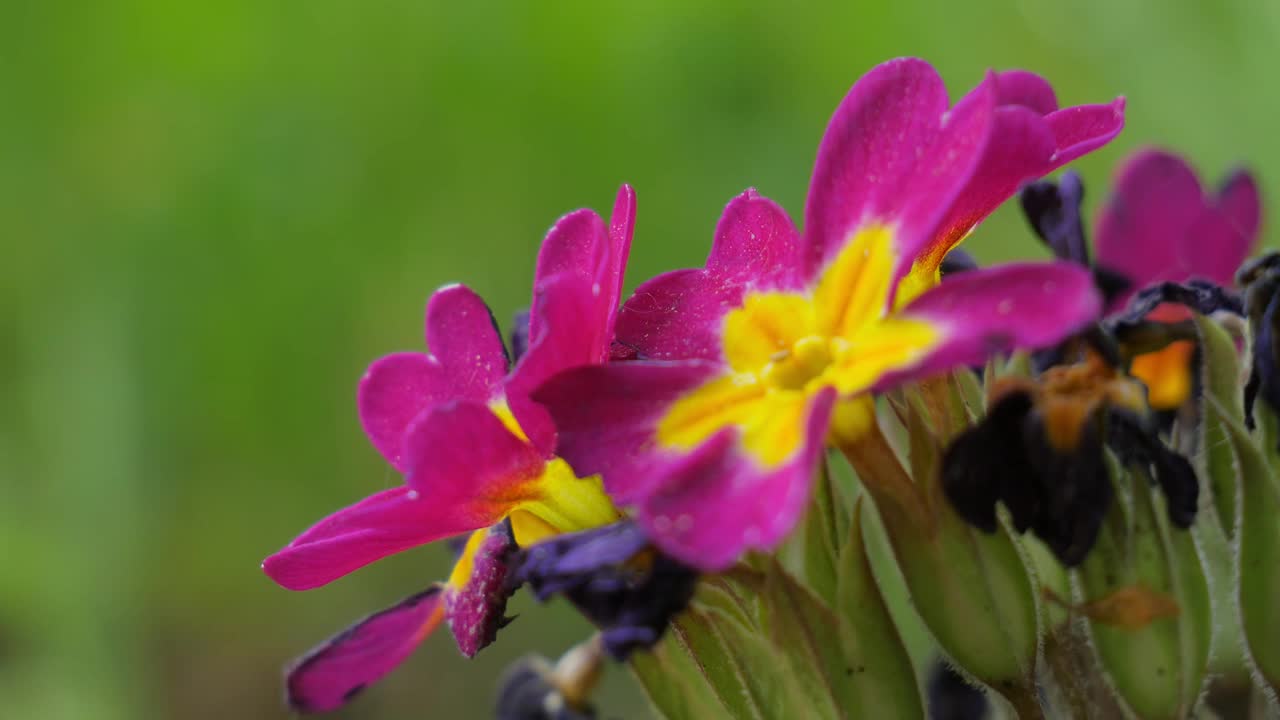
{"x":634,"y":456}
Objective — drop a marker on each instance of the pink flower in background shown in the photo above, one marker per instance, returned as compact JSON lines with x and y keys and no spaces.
{"x":749,"y":367}
{"x":476,"y":453}
{"x":1160,"y":225}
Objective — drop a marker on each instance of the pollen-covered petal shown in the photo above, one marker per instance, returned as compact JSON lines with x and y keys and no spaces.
{"x":393,"y":391}
{"x":469,"y":467}
{"x":1021,"y":305}
{"x":380,"y":525}
{"x":1155,"y":200}
{"x":335,"y":672}
{"x":464,"y":337}
{"x":475,"y":600}
{"x":722,"y":501}
{"x":757,"y":244}
{"x":894,"y":155}
{"x":607,"y":418}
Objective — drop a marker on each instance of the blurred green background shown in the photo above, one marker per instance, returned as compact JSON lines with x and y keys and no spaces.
{"x":215,"y":215}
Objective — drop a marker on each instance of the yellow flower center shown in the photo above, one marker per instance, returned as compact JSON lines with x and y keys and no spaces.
{"x":783,"y":348}
{"x":558,"y":501}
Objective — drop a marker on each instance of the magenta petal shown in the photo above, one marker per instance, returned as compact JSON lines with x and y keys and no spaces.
{"x":1240,"y":211}
{"x":332,"y":674}
{"x":1238,"y":199}
{"x":719,"y":503}
{"x":391,"y":394}
{"x":577,"y":244}
{"x":1084,"y":128}
{"x":677,"y":316}
{"x":1212,"y":248}
{"x":1022,"y":305}
{"x":607,"y":414}
{"x":870,"y":145}
{"x":1021,"y":149}
{"x":757,"y":244}
{"x":572,"y":332}
{"x":464,"y":337}
{"x":1155,"y":200}
{"x":622,"y":225}
{"x":380,"y":525}
{"x":1020,"y":87}
{"x":477,"y":610}
{"x":467,"y":466}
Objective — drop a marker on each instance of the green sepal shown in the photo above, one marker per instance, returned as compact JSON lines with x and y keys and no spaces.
{"x":822,"y":532}
{"x":1220,"y":380}
{"x":1258,"y":546}
{"x":1158,"y":667}
{"x":974,"y":591}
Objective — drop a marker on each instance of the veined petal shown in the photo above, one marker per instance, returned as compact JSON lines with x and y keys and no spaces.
{"x":464,"y":337}
{"x":1021,"y":305}
{"x":380,"y":525}
{"x":607,"y":417}
{"x":333,"y":673}
{"x":393,"y":391}
{"x":721,"y":501}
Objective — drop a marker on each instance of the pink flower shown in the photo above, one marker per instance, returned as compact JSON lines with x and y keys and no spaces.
{"x":1160,"y":225}
{"x":749,"y":367}
{"x":477,"y":455}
